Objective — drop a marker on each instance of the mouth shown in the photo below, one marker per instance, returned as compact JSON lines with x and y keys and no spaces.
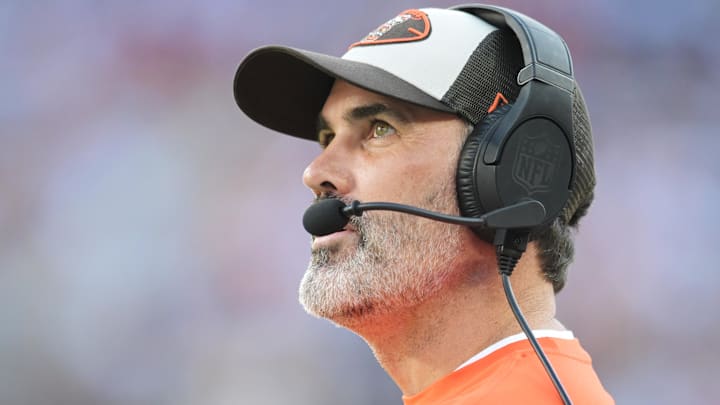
{"x":334,"y":238}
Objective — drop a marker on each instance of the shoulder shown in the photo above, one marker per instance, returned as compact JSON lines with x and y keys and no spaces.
{"x":516,"y":376}
{"x":528,"y":382}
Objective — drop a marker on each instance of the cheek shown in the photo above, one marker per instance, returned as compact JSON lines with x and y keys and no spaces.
{"x":436,"y":167}
{"x":407,"y":182}
{"x":420,"y":165}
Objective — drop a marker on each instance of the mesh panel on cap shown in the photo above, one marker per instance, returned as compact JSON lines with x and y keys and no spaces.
{"x":581,"y":190}
{"x":491,"y":69}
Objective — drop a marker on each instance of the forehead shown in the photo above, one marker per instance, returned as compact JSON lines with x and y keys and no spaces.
{"x":345,"y":96}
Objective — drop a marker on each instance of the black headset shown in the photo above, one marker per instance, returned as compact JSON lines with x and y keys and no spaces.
{"x":524,"y":150}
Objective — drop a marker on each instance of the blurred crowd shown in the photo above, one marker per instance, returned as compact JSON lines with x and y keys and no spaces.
{"x":150,"y":236}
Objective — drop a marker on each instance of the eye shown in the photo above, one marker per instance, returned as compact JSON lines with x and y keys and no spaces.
{"x":381,"y":129}
{"x":324,"y":138}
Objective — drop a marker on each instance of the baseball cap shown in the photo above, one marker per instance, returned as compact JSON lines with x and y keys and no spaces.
{"x":444,"y":59}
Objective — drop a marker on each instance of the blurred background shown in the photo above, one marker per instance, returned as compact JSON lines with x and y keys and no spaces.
{"x":150,"y":235}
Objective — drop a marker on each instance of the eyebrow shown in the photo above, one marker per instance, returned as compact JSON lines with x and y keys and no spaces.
{"x":365,"y":111}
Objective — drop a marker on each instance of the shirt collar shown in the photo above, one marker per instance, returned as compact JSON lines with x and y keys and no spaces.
{"x":540,"y":333}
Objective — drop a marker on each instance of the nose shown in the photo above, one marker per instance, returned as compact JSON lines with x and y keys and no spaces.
{"x":330,"y":173}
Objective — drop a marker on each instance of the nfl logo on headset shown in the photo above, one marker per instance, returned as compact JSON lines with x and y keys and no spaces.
{"x":535,"y":163}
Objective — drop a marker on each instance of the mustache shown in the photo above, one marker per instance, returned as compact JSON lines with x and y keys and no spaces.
{"x":332,"y":196}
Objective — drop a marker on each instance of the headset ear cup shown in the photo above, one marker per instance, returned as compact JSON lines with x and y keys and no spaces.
{"x":466,"y":178}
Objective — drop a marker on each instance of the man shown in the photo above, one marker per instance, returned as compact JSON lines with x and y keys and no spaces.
{"x":395,"y":117}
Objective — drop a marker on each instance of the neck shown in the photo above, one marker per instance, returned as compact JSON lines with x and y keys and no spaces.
{"x":419,"y":345}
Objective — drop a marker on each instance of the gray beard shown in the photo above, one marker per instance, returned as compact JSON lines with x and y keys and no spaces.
{"x":398,"y":262}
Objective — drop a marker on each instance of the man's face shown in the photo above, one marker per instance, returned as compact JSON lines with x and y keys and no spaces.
{"x":379,"y":149}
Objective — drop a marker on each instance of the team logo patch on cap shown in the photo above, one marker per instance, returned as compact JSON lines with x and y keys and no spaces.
{"x":410,"y":25}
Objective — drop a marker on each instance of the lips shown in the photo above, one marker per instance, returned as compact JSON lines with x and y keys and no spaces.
{"x":333,"y":238}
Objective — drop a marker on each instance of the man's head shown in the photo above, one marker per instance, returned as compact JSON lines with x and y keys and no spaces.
{"x":392,"y":115}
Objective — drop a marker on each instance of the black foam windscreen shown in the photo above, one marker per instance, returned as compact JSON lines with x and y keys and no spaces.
{"x":325,"y":217}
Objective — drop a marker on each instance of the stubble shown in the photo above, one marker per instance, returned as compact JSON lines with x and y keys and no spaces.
{"x":398,"y":261}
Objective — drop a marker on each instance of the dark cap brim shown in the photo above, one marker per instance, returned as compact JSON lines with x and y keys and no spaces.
{"x":284,"y":88}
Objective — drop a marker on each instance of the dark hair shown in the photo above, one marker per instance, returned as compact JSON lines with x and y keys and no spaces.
{"x":555,"y":246}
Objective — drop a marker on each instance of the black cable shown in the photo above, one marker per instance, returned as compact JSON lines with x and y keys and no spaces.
{"x":523,"y":214}
{"x":506,"y":263}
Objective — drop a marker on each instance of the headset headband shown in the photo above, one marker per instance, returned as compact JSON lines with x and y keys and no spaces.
{"x":545,"y":54}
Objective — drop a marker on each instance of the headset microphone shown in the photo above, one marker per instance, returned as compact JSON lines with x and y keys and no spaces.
{"x":331,"y":215}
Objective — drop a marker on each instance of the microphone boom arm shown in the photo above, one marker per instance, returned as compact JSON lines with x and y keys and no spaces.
{"x":523,"y":214}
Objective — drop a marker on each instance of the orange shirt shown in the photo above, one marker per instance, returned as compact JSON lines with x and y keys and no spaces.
{"x":513,"y":374}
